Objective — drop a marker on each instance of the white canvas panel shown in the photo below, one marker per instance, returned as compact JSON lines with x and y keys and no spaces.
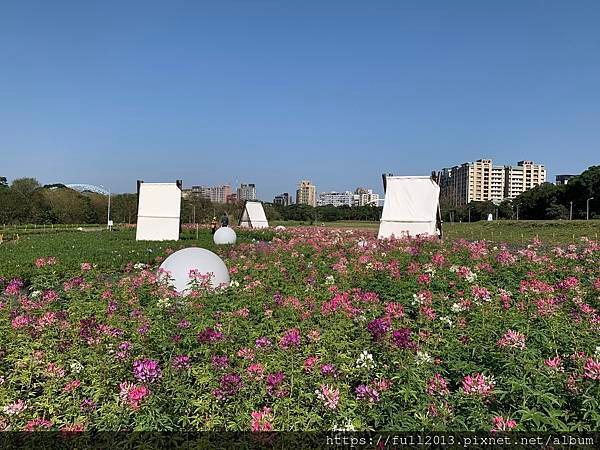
{"x":158,"y":212}
{"x":254,"y":216}
{"x":410,"y":207}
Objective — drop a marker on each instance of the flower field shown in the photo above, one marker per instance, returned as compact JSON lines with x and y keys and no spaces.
{"x":321,"y":329}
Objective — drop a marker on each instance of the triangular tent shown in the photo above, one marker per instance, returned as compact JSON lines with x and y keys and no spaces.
{"x":253,"y":216}
{"x":159,"y":208}
{"x":410,"y":207}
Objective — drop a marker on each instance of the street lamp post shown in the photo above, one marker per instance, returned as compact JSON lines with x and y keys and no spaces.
{"x":108,"y":212}
{"x":571,"y":211}
{"x":587,"y":213}
{"x":517,"y":212}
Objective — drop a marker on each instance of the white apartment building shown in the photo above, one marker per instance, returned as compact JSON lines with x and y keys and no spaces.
{"x":483,"y":181}
{"x":364,"y":197}
{"x":336,"y":198}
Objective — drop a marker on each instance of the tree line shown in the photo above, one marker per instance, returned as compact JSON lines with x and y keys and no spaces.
{"x":25,"y":200}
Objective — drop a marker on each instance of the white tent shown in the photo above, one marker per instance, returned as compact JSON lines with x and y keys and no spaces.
{"x":159,"y":208}
{"x":253,"y":216}
{"x":410,"y":207}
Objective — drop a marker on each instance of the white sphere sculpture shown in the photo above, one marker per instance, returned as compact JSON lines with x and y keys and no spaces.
{"x":179,"y":264}
{"x":224,"y":235}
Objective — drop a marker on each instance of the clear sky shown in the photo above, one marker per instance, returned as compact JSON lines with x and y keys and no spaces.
{"x":272,"y":92}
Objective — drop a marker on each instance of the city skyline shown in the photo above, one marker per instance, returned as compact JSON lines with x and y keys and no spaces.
{"x":340,"y":92}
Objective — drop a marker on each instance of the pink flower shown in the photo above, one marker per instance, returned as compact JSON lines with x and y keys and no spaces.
{"x":20,"y":322}
{"x":71,"y":385}
{"x":256,"y":371}
{"x":180,"y":362}
{"x":512,"y":339}
{"x":309,"y":363}
{"x":132,"y":395}
{"x":555,"y":363}
{"x":328,"y":395}
{"x":437,"y":385}
{"x":261,"y":420}
{"x":502,"y":424}
{"x":86,"y":266}
{"x":592,"y":369}
{"x":246,"y":353}
{"x":394,"y":310}
{"x":38,"y":424}
{"x":15,"y":408}
{"x":478,"y":384}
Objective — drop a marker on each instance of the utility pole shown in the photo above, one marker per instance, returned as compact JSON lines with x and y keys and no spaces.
{"x":517,"y":211}
{"x":469,"y":214}
{"x":587,"y":213}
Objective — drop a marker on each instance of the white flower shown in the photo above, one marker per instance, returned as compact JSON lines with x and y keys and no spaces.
{"x":365,"y":360}
{"x":76,"y":367}
{"x":446,"y":320}
{"x":164,"y":303}
{"x":329,"y":280}
{"x":423,"y":357}
{"x":234,"y":283}
{"x":597,"y":353}
{"x":471,"y":277}
{"x":347,"y":426}
{"x":139,"y":266}
{"x":369,"y":265}
{"x":457,"y":307}
{"x":35,"y":294}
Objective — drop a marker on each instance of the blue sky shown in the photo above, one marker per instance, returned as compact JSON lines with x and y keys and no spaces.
{"x":272,"y":92}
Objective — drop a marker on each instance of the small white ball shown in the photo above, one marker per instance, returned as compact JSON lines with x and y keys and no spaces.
{"x":224,"y":235}
{"x":179,"y":264}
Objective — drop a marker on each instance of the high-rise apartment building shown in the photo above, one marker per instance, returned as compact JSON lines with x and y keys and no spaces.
{"x":483,"y":181}
{"x":306,"y":193}
{"x":197,"y":191}
{"x":284,"y":199}
{"x":364,"y":197}
{"x":522,"y":177}
{"x":336,"y":198}
{"x":219,"y":194}
{"x":246,"y":192}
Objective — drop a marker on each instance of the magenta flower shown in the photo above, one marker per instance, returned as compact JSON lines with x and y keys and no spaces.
{"x":220,"y":362}
{"x":364,"y":392}
{"x":210,"y":335}
{"x":180,"y":362}
{"x":229,"y":385}
{"x":263,"y":342}
{"x":592,"y":369}
{"x":146,"y":370}
{"x":274,"y":384}
{"x":291,"y":338}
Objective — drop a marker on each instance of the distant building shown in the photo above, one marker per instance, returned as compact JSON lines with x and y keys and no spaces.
{"x":246,"y":192}
{"x":219,"y":194}
{"x":306,"y":193}
{"x":522,"y":177}
{"x":364,"y":197}
{"x":563,"y":179}
{"x":483,"y":181}
{"x":284,"y":199}
{"x":336,"y":198}
{"x":197,"y":191}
